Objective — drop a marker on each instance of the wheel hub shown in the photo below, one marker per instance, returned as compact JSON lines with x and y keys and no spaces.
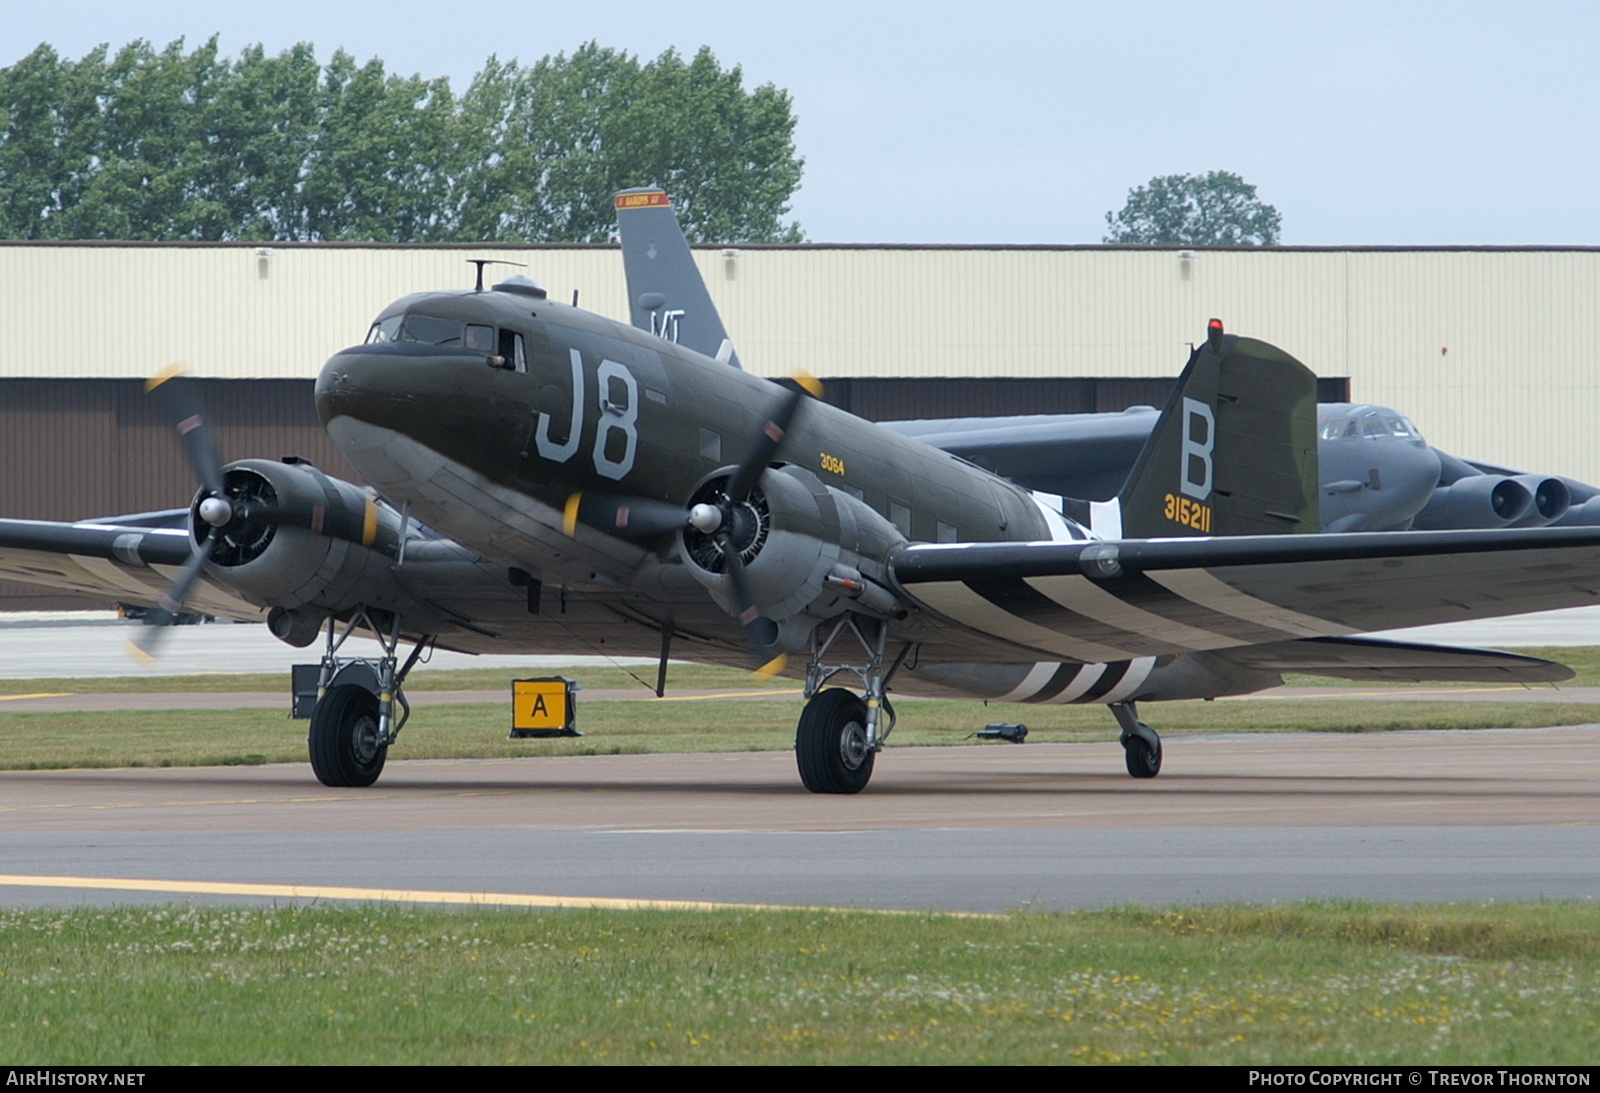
{"x":366,"y":740}
{"x":853,"y":748}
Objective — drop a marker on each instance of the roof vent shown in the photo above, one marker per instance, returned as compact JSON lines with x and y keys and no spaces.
{"x":525,"y":286}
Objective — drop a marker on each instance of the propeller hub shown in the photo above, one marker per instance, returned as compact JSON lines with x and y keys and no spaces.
{"x":705,"y":518}
{"x":216,"y":511}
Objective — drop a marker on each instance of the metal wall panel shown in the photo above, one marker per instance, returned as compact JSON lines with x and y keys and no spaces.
{"x":1487,"y":348}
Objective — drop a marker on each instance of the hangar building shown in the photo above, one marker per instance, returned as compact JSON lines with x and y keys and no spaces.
{"x":1486,"y":348}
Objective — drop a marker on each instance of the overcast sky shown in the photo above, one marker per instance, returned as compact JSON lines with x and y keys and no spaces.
{"x":1388,"y":123}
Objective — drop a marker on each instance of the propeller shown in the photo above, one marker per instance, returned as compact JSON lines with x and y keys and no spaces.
{"x":629,"y":517}
{"x":734,"y":522}
{"x":179,"y":403}
{"x":731,"y":516}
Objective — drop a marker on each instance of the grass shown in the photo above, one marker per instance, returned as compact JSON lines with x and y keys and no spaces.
{"x":683,"y":677}
{"x":1307,"y":984}
{"x":30,"y":741}
{"x":747,"y":723}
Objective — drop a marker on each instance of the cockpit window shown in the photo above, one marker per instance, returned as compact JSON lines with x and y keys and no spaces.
{"x":431,"y":331}
{"x":1401,"y":426}
{"x":1374,"y":427}
{"x":384,"y":330}
{"x":480,"y":338}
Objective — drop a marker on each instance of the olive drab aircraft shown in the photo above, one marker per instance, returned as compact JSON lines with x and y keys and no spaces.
{"x":541,"y":479}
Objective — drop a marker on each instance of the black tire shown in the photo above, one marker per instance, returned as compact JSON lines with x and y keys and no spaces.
{"x":1143,"y":759}
{"x":830,"y":744}
{"x":344,"y":737}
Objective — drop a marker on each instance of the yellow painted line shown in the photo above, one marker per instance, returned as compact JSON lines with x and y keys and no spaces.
{"x":38,"y":694}
{"x":400,"y":895}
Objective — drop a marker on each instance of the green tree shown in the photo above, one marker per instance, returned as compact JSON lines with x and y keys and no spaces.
{"x":571,"y":131}
{"x":173,"y":145}
{"x":1215,"y":209}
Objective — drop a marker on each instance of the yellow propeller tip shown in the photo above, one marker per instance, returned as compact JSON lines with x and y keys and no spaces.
{"x":138,"y":655}
{"x":569,"y":515}
{"x":772,"y":667}
{"x":171,"y":370}
{"x":811,"y":384}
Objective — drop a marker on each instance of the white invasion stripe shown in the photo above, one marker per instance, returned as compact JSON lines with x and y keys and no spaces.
{"x":1032,"y":683}
{"x":1105,"y":518}
{"x":956,"y":601}
{"x":112,"y":576}
{"x":1082,"y":595}
{"x":1131,"y":680}
{"x":1202,"y":588}
{"x":1087,"y":677}
{"x":1049,"y":505}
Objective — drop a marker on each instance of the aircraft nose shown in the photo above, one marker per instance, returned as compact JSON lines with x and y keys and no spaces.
{"x":391,"y":385}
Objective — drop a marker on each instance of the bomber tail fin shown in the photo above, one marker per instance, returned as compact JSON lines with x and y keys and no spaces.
{"x":666,"y":294}
{"x":1233,"y":453}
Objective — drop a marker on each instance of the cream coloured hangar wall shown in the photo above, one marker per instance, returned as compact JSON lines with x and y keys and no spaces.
{"x":1489,"y":350}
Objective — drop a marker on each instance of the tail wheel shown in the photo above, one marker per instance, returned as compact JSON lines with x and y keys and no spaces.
{"x":830,"y":744}
{"x":1142,"y":756}
{"x":346,"y":749}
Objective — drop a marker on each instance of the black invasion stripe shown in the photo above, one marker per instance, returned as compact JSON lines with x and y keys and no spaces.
{"x":1108,"y":679}
{"x":1064,"y":675}
{"x":1026,"y":602}
{"x":1140,"y":591}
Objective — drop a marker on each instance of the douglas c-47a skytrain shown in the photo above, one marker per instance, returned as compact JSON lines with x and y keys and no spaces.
{"x":543,"y":479}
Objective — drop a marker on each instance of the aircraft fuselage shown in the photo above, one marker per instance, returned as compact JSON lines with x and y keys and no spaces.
{"x":598,"y":408}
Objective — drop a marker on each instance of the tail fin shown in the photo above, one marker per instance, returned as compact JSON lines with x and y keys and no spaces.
{"x":1235,"y":450}
{"x":666,"y":294}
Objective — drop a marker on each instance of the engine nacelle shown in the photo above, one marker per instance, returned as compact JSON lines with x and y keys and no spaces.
{"x":808,"y":549}
{"x":304,"y":543}
{"x":1478,"y":501}
{"x":1551,"y":499}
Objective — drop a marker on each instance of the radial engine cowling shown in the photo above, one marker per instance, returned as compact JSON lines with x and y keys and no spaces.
{"x":298,"y":540}
{"x":805,"y":547}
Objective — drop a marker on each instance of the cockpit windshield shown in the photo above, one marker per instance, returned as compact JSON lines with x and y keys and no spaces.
{"x":432,"y":331}
{"x":1370,"y":423}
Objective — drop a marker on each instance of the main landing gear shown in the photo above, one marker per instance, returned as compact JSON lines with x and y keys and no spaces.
{"x":840,"y":734}
{"x":353,"y":723}
{"x":1141,"y":747}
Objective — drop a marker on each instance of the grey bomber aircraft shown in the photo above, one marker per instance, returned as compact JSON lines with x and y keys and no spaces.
{"x":543,"y":479}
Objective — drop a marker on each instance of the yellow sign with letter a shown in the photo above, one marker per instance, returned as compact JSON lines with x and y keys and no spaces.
{"x":544,"y":707}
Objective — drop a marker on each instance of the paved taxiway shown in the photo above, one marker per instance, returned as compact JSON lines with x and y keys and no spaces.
{"x":1406,"y":816}
{"x":1489,"y":814}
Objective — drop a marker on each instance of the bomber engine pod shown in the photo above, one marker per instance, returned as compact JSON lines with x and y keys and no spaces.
{"x":1482,"y":501}
{"x":301,"y":541}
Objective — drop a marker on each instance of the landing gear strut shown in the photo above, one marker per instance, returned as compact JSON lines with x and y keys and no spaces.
{"x":840,"y":734}
{"x":353,"y":723}
{"x":1141,"y":747}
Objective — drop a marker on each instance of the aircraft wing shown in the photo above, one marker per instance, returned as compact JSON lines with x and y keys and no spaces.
{"x":1115,"y":600}
{"x":124,"y":563}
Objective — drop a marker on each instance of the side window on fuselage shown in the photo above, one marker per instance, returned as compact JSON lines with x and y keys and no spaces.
{"x":513,"y":350}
